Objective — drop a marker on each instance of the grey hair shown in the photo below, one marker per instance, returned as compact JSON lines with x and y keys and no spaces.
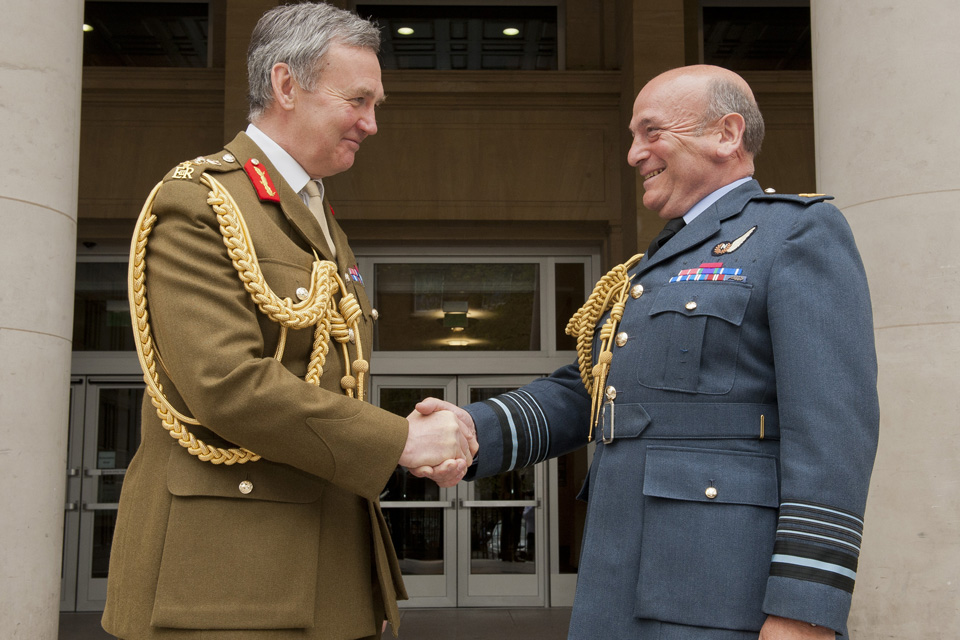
{"x":726,"y":97}
{"x":300,"y":35}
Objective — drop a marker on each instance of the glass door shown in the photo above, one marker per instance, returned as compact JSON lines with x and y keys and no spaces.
{"x":477,"y":544}
{"x":421,"y":515}
{"x":500,"y":524}
{"x":109,"y":434}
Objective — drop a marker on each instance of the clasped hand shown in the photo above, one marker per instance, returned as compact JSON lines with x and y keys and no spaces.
{"x":441,"y":442}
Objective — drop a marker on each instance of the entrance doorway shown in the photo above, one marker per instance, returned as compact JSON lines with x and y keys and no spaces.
{"x":479,"y":544}
{"x":104,"y":435}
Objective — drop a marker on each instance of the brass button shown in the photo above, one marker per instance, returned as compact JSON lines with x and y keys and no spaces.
{"x":711,"y":492}
{"x":374,"y":314}
{"x":254,"y":161}
{"x":302,"y":293}
{"x":691,"y":305}
{"x":611,"y":393}
{"x":246,"y":487}
{"x":228,"y":157}
{"x":636,"y":291}
{"x":769,"y":190}
{"x":351,"y":335}
{"x":622,"y":338}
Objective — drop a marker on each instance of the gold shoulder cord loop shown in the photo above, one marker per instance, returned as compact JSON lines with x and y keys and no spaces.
{"x":318,"y":310}
{"x":609,"y":294}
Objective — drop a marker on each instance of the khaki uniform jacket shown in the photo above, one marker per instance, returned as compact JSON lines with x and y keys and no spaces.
{"x":306,"y":554}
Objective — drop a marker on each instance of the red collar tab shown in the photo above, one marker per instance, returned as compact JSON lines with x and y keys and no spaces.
{"x":261,"y":181}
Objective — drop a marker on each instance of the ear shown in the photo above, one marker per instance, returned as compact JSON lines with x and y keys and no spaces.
{"x":285,"y":88}
{"x":730,"y":130}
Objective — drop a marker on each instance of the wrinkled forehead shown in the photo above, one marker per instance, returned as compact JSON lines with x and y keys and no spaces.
{"x":669,"y":99}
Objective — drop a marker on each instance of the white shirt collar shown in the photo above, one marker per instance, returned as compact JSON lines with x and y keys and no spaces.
{"x":289,"y":168}
{"x":704,"y":204}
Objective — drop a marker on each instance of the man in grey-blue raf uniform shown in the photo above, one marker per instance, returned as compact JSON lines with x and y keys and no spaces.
{"x":733,"y":390}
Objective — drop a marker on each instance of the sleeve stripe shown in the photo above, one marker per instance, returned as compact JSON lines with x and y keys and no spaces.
{"x":523,"y":427}
{"x":855,"y":534}
{"x":810,"y":505}
{"x":540,"y":420}
{"x":815,"y":564}
{"x":513,"y":432}
{"x":811,"y":574}
{"x":813,"y":535}
{"x":815,"y":552}
{"x":505,"y":433}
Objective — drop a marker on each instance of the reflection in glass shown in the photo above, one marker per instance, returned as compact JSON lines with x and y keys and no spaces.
{"x":569,"y":297}
{"x":466,"y":306}
{"x":418,"y":539}
{"x":101,"y":313}
{"x":103,"y":525}
{"x":417,"y":533}
{"x":502,"y":540}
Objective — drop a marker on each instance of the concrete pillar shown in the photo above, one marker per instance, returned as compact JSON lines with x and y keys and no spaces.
{"x":40,"y":70}
{"x":886,"y":90}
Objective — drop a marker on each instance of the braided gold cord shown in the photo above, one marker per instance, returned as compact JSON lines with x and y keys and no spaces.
{"x":609,"y":293}
{"x":318,"y":309}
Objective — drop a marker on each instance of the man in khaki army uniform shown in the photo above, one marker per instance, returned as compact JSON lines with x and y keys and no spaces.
{"x":259,"y":517}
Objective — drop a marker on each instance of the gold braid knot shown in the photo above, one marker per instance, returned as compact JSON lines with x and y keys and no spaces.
{"x":609,"y":294}
{"x":317,"y":309}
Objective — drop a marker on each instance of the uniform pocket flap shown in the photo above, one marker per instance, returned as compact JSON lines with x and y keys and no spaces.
{"x":724,"y":300}
{"x":710,"y":475}
{"x":187,"y":475}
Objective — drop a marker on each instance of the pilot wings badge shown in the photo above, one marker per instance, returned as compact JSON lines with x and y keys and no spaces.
{"x":729,"y":247}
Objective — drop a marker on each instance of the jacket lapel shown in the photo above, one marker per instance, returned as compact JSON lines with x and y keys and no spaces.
{"x":707,"y":224}
{"x":293,"y":208}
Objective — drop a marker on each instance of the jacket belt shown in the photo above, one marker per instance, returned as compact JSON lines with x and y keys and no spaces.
{"x":682,"y":420}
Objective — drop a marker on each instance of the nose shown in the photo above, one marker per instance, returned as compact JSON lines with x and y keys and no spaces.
{"x":368,"y":122}
{"x":638,"y":152}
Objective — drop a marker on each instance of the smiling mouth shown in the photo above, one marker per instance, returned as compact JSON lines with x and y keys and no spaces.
{"x":647,"y":176}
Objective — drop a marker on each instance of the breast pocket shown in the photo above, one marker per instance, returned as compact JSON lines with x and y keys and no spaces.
{"x":708,"y":530}
{"x":241,"y":547}
{"x":691,"y":339}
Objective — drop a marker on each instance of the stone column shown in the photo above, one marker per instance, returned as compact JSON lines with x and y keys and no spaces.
{"x":886,"y":90}
{"x":40,"y":69}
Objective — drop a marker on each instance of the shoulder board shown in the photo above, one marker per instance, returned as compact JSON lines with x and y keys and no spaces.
{"x":191,"y":170}
{"x":800,"y":198}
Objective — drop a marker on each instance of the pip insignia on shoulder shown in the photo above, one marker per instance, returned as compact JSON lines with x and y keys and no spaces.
{"x":802,"y":198}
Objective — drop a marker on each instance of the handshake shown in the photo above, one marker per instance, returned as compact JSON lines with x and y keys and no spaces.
{"x":441,"y":442}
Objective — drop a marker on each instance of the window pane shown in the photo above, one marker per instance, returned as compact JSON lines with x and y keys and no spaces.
{"x":488,"y":37}
{"x":101,"y":313}
{"x":146,"y":34}
{"x":458,"y":307}
{"x":502,"y":540}
{"x":569,"y":298}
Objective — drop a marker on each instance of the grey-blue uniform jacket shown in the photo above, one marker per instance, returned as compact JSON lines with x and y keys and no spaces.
{"x":734,"y":476}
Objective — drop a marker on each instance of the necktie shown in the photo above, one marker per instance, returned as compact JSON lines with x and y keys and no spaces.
{"x":669,"y":230}
{"x":316,"y":206}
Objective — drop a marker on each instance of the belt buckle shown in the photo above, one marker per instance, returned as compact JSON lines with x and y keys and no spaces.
{"x":605,"y":409}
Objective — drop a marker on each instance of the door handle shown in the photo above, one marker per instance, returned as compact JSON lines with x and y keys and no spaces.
{"x":101,"y":506}
{"x":415,"y":504}
{"x":92,"y":473}
{"x":70,"y":506}
{"x":474,"y":504}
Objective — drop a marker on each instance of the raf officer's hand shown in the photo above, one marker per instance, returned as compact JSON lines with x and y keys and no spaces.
{"x":777,"y":628}
{"x":450,"y":472}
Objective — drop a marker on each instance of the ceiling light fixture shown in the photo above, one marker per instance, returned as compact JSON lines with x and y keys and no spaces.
{"x":511,"y":31}
{"x":405,"y":31}
{"x":87,"y":28}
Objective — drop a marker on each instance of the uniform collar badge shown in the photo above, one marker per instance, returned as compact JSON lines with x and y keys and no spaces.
{"x":729,"y":247}
{"x":261,"y":181}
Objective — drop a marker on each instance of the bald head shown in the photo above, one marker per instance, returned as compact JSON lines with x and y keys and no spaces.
{"x":695,"y":129}
{"x":718,"y":92}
